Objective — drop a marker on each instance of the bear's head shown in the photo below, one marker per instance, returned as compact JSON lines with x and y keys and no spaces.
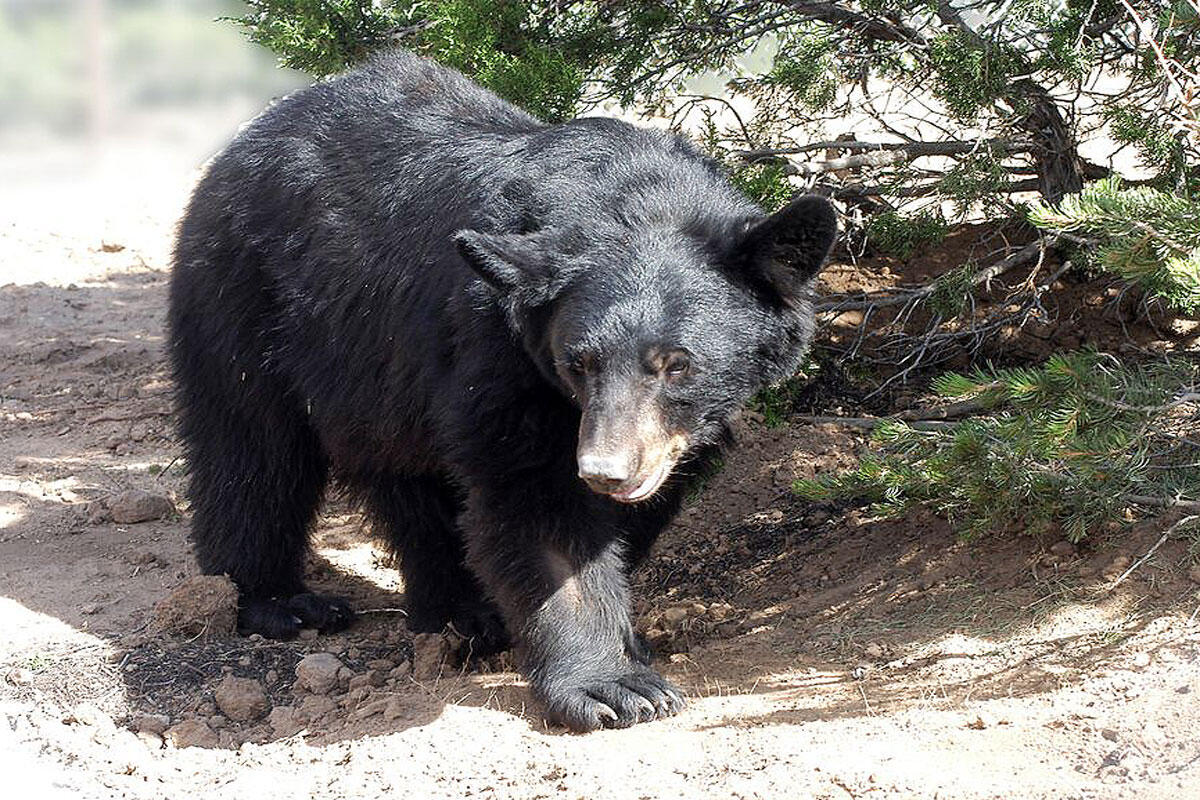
{"x":659,"y":334}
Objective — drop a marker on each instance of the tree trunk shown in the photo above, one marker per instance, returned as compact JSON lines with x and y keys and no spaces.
{"x":1055,"y":151}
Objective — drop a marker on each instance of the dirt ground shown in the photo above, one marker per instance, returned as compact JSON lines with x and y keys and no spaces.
{"x":825,"y":653}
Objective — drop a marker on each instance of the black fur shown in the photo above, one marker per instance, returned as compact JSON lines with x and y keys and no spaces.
{"x":399,"y":279}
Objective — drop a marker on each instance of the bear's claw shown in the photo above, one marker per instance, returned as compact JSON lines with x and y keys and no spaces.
{"x":641,"y":695}
{"x":283,"y":618}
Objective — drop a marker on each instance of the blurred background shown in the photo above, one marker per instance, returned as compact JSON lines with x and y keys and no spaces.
{"x":108,"y":108}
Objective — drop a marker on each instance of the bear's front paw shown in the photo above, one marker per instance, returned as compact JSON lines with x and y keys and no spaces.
{"x":639,"y":695}
{"x":282,"y":618}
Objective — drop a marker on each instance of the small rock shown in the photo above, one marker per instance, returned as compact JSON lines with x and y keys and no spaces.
{"x":136,"y":505}
{"x":150,"y":723}
{"x":318,"y":673}
{"x":719,"y":612}
{"x":381,"y":664}
{"x":1141,"y":659}
{"x":87,"y":609}
{"x":978,"y":724}
{"x":1110,"y":734}
{"x":1063,"y":549}
{"x":272,"y":676}
{"x":242,"y":699}
{"x":1185,"y":689}
{"x":401,"y":671}
{"x":316,"y":706}
{"x":344,"y":675}
{"x":285,"y":721}
{"x":355,"y":696}
{"x":395,"y":710}
{"x":204,"y":605}
{"x":430,"y":651}
{"x":218,"y":722}
{"x":192,"y":733}
{"x":874,"y":650}
{"x":675,"y":616}
{"x":361,"y":681}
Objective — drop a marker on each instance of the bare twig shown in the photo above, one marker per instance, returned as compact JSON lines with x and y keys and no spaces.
{"x":1166,"y":534}
{"x":1020,"y":257}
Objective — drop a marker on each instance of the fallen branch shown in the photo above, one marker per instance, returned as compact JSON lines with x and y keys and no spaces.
{"x":1166,"y":535}
{"x":871,"y":422}
{"x":1022,"y":256}
{"x":1163,"y":502}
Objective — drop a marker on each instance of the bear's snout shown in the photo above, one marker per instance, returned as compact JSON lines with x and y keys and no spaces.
{"x":607,"y":472}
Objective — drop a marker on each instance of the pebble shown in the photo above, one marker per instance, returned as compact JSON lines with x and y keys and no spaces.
{"x":192,"y":733}
{"x":285,"y":721}
{"x":675,"y":616}
{"x":719,"y":612}
{"x":135,"y":505}
{"x":242,"y":699}
{"x":318,"y":673}
{"x":1141,"y":659}
{"x":316,"y":706}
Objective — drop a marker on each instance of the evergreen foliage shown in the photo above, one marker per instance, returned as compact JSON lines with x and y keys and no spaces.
{"x":1146,"y":236}
{"x":506,"y":46}
{"x":896,"y":235}
{"x":1072,"y":443}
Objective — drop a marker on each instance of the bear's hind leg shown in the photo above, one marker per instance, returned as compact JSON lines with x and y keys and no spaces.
{"x":256,"y":481}
{"x":418,"y":518}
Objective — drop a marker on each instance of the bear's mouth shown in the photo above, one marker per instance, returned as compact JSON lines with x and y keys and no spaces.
{"x":648,"y":485}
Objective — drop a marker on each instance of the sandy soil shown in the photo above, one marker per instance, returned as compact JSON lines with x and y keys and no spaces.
{"x":825,"y":653}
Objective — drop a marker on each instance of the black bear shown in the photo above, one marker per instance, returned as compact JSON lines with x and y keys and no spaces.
{"x":509,"y":340}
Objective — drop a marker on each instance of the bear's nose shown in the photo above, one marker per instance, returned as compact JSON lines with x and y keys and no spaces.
{"x":604,"y":473}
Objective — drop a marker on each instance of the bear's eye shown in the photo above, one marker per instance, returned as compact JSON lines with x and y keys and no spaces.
{"x":676,"y":365}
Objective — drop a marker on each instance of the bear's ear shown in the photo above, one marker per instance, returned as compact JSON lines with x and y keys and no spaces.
{"x":786,"y":250}
{"x":507,"y":261}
